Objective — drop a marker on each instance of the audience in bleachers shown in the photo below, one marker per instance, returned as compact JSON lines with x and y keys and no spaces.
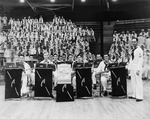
{"x":121,"y":48}
{"x":32,"y":37}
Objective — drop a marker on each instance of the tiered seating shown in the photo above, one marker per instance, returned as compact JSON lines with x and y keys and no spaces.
{"x":34,"y":37}
{"x":132,"y":25}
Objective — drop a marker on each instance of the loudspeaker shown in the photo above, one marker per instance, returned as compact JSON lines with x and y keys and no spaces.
{"x":64,"y":92}
{"x":43,"y":82}
{"x":119,"y":83}
{"x":83,"y":82}
{"x":12,"y":82}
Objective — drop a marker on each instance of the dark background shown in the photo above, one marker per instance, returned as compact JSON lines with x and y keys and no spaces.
{"x":88,"y":11}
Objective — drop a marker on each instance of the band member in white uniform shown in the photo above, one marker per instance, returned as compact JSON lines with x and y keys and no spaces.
{"x":105,"y":73}
{"x":94,"y":69}
{"x":46,"y":59}
{"x":79,"y":59}
{"x":25,"y":79}
{"x":135,"y":69}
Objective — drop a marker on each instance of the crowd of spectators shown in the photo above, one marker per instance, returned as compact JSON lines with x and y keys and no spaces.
{"x":34,"y":37}
{"x":121,"y":48}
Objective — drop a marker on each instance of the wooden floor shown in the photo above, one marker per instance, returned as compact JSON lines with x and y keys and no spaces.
{"x":96,"y":108}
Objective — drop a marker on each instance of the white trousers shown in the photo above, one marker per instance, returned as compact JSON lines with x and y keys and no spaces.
{"x":137,"y":84}
{"x":104,"y":82}
{"x":146,"y":71}
{"x":94,"y":78}
{"x":24,"y":87}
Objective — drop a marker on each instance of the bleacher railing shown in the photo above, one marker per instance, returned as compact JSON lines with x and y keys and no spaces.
{"x":132,"y":21}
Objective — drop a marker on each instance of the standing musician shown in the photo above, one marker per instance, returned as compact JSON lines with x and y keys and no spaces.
{"x":105,"y":73}
{"x":135,"y":69}
{"x":26,"y":77}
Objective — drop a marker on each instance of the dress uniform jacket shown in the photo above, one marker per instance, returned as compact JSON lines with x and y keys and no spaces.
{"x":136,"y":64}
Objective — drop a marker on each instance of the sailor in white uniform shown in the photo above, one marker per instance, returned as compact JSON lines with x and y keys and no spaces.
{"x":26,"y":74}
{"x":105,"y":73}
{"x":135,"y":69}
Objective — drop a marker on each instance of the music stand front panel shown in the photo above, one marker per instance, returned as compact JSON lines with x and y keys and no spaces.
{"x":43,"y":82}
{"x":119,"y":83}
{"x":84,"y":82}
{"x":12,"y":82}
{"x":64,"y":92}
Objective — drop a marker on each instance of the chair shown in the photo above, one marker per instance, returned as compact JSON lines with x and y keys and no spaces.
{"x":108,"y":87}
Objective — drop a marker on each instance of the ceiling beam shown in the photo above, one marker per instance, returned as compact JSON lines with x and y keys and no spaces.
{"x":52,"y":5}
{"x":33,"y":4}
{"x":33,"y":8}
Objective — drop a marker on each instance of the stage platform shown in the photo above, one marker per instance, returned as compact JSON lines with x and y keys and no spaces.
{"x":96,"y":108}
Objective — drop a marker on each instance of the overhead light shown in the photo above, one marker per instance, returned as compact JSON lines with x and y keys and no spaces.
{"x":114,"y":0}
{"x":83,"y":0}
{"x":22,"y":1}
{"x":52,"y":0}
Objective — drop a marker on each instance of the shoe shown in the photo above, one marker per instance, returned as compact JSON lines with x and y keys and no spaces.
{"x":24,"y":95}
{"x":110,"y":93}
{"x":74,"y":92}
{"x":130,"y":97}
{"x":52,"y":96}
{"x":138,"y":100}
{"x":105,"y":93}
{"x":144,"y":78}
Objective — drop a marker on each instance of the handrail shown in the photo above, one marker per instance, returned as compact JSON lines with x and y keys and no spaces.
{"x":132,"y":21}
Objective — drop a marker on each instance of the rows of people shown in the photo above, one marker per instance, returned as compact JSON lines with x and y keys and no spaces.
{"x":32,"y":37}
{"x":3,"y":19}
{"x":121,"y":48}
{"x":61,"y":40}
{"x":45,"y":42}
{"x":29,"y":65}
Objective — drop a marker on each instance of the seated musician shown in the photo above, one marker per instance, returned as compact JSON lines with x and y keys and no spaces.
{"x":26,"y":77}
{"x":79,"y":59}
{"x":94,"y":69}
{"x":55,"y":59}
{"x":32,"y":64}
{"x":46,"y":59}
{"x":70,"y":60}
{"x":62,"y":58}
{"x":105,"y":73}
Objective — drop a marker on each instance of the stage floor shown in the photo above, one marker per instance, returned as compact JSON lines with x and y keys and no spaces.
{"x":96,"y":108}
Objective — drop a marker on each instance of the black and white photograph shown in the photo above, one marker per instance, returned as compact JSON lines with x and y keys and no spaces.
{"x":74,"y":59}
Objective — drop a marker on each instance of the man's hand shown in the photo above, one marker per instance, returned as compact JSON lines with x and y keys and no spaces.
{"x":138,"y":72}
